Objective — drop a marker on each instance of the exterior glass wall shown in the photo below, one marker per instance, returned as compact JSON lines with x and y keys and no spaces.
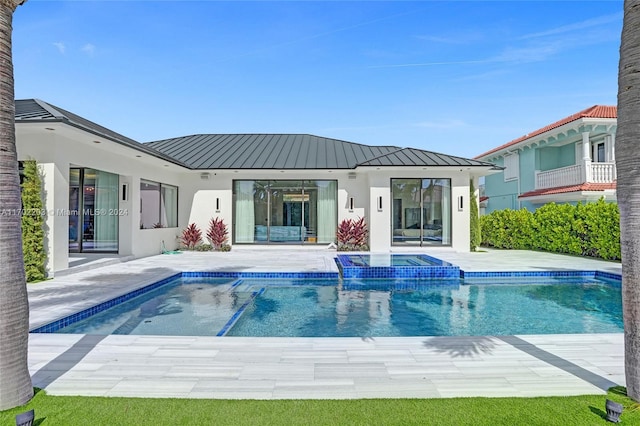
{"x":285,"y":211}
{"x":93,"y":210}
{"x":421,"y":211}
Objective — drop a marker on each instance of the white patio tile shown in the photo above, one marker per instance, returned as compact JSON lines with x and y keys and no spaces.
{"x":281,"y":367}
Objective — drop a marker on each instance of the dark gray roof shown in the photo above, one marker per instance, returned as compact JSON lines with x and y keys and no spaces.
{"x":251,"y":151}
{"x":418,"y":157}
{"x":37,"y":111}
{"x":295,"y":151}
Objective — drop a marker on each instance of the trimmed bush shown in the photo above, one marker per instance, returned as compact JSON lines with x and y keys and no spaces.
{"x":508,"y":229}
{"x":476,"y":229}
{"x":591,"y":229}
{"x":33,"y":223}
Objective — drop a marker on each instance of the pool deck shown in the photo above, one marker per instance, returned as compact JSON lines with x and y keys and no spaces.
{"x":295,"y":368}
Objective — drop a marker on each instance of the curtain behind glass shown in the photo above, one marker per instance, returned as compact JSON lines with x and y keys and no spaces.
{"x":245,"y":215}
{"x":106,"y":211}
{"x":327,"y":211}
{"x":446,"y":210}
{"x":169,"y":206}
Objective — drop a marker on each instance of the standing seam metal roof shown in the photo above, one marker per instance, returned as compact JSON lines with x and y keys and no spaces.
{"x":37,"y":111}
{"x":296,"y":151}
{"x":250,"y":151}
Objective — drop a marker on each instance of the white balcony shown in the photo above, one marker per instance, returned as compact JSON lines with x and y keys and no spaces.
{"x":574,"y":175}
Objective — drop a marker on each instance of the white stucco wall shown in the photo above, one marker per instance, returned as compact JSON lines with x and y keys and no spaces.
{"x":379,"y":185}
{"x":64,"y":147}
{"x":58,"y":150}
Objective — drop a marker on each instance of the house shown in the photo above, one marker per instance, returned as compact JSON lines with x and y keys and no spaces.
{"x":569,"y":161}
{"x":106,"y":193}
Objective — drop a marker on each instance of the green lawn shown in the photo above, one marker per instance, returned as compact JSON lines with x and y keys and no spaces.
{"x":578,"y":410}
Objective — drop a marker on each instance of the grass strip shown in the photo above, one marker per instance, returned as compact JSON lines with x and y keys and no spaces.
{"x":112,"y":411}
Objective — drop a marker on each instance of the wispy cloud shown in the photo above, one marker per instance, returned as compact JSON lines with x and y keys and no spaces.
{"x":460,"y":38}
{"x":428,"y":64}
{"x":60,"y":46}
{"x":442,"y":124}
{"x":89,"y":49}
{"x":534,"y":47}
{"x":534,"y":53}
{"x":578,"y":26}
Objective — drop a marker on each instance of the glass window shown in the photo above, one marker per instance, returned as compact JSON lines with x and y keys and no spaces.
{"x":421,"y":211}
{"x":285,"y":211}
{"x":158,"y":205}
{"x":93,"y":210}
{"x":169,"y":206}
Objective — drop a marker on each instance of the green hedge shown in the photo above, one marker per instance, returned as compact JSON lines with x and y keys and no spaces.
{"x":591,"y":229}
{"x":33,"y":249}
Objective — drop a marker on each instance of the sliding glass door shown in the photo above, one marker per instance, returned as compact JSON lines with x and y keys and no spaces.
{"x":285,"y":212}
{"x":93,"y":207}
{"x":421,"y":211}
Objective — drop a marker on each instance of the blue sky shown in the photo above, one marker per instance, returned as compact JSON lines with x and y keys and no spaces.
{"x":452,"y":77}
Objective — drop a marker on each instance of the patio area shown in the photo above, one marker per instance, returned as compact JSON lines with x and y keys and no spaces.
{"x":276,"y":368}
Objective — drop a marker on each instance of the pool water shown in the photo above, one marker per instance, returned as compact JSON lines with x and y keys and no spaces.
{"x":324,"y":308}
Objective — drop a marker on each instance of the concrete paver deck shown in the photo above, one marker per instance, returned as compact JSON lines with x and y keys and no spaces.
{"x":276,"y":368}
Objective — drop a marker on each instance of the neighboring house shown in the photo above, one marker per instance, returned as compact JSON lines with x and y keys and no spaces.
{"x":569,"y":161}
{"x":106,"y":193}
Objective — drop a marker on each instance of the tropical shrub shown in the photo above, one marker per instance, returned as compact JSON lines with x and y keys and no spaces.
{"x":191,"y":236}
{"x":35,"y":255}
{"x":476,"y":229}
{"x":217,"y":234}
{"x":353,"y":235}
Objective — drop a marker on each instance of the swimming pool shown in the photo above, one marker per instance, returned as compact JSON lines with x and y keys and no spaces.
{"x":331,"y":307}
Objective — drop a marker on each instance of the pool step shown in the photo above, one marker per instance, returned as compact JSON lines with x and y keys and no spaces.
{"x":235,"y":317}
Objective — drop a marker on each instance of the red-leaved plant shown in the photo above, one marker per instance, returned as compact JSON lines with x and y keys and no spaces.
{"x":353,"y":235}
{"x":191,"y":236}
{"x":217,"y":234}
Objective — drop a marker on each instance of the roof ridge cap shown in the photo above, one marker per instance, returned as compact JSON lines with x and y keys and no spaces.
{"x":50,"y":109}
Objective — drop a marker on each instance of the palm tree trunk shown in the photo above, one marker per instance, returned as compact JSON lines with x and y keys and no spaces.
{"x":628,"y":165}
{"x":15,"y":382}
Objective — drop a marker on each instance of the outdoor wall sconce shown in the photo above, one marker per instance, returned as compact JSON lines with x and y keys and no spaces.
{"x":217,"y":205}
{"x":351,"y":204}
{"x":125,"y":191}
{"x":380,"y":203}
{"x":460,"y":203}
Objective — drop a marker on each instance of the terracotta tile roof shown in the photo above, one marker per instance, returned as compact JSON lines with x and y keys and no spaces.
{"x":571,"y":188}
{"x":596,"y":111}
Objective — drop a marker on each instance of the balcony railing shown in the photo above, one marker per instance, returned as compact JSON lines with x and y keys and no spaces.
{"x":603,"y":172}
{"x":572,"y":175}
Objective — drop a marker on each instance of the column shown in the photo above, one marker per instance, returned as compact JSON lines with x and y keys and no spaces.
{"x":586,"y":157}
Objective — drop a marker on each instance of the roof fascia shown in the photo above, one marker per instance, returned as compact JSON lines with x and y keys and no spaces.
{"x":538,"y":139}
{"x":140,"y":148}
